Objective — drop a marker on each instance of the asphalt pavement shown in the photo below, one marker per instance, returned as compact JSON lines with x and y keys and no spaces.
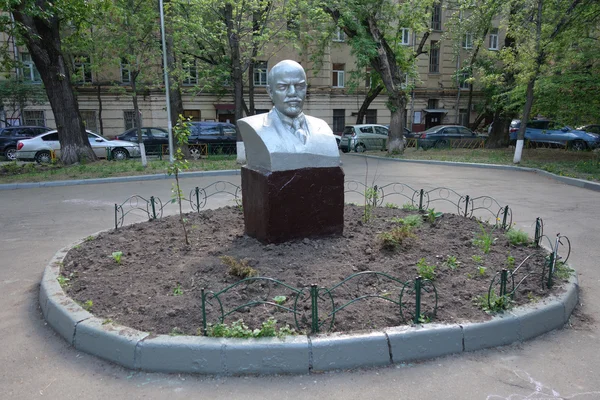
{"x":36,"y":363}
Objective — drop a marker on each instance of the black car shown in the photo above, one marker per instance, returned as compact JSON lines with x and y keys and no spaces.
{"x":154,"y":138}
{"x":212,"y":138}
{"x":10,"y":135}
{"x":443,"y":136}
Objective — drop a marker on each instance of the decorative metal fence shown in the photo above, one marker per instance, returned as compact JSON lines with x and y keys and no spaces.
{"x":416,"y":300}
{"x":422,"y":199}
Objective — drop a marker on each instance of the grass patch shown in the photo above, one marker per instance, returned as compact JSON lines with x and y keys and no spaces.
{"x":32,"y":172}
{"x":517,"y":237}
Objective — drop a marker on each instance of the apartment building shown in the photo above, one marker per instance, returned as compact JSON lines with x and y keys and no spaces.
{"x":436,"y":97}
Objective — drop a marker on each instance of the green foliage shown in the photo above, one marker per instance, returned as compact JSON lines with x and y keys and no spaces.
{"x":425,"y":270}
{"x":481,"y":270}
{"x":452,"y":262}
{"x":181,"y":132}
{"x":414,"y":221}
{"x":107,"y":321}
{"x":391,"y":240}
{"x":176,"y":332}
{"x":432,"y":215}
{"x":87,"y":305}
{"x":240,"y":330}
{"x":89,"y":238}
{"x":484,"y":239}
{"x":424,"y":319}
{"x":177,"y":291}
{"x":478,"y":259}
{"x":517,"y":237}
{"x":371,"y":197}
{"x":409,"y":207}
{"x":510,"y":262}
{"x":493,"y":303}
{"x":238,"y":268}
{"x":563,"y":271}
{"x":63,"y":281}
{"x":279,"y":300}
{"x":117,"y":255}
{"x":391,"y":205}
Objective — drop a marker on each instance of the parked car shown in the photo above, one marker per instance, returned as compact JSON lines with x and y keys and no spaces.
{"x":555,"y":134}
{"x":219,"y":137}
{"x":10,"y":135}
{"x":153,"y":138}
{"x":590,"y":129}
{"x":443,"y":136}
{"x":40,"y":147}
{"x":363,"y":137}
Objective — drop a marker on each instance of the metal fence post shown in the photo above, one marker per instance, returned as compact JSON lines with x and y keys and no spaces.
{"x":503,"y":279}
{"x":314,"y":311}
{"x":418,"y":282}
{"x":550,"y":270}
{"x":153,"y":207}
{"x":203,"y":312}
{"x":466,"y":205}
{"x":116,"y":219}
{"x":505,"y":217}
{"x":538,"y":231}
{"x":197,"y":198}
{"x":375,"y":196}
{"x":421,"y":200}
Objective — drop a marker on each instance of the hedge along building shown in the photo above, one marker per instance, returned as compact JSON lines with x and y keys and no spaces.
{"x":438,"y":95}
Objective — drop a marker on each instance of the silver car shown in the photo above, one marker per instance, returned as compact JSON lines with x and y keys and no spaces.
{"x":42,"y":147}
{"x":364,"y":137}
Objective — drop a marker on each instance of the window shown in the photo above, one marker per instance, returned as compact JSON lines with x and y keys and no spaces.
{"x":339,"y":35}
{"x":82,"y":69}
{"x":338,"y":75}
{"x":260,"y":73}
{"x":371,"y":117}
{"x":193,"y":114}
{"x":463,"y":82}
{"x":468,"y":41}
{"x":494,"y":39}
{"x":463,"y":117}
{"x":434,"y":57}
{"x":339,"y":120}
{"x":34,"y":117}
{"x":436,"y":17}
{"x":366,"y":129}
{"x":191,"y":72}
{"x":404,"y":36}
{"x":125,"y":71}
{"x":29,"y":71}
{"x":129,"y":117}
{"x":90,"y":120}
{"x":158,"y":133}
{"x":381,"y":130}
{"x":432,"y":104}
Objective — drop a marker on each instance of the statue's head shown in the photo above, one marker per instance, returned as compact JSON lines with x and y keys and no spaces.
{"x":287,"y":87}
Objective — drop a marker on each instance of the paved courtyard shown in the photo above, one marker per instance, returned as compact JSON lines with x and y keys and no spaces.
{"x":35,"y":362}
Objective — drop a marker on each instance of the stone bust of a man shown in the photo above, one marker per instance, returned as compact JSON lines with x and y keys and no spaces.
{"x":284,"y":138}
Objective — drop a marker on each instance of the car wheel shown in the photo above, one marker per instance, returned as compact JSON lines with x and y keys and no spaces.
{"x":10,"y":153}
{"x":120,"y":154}
{"x":360,"y":148}
{"x":344,"y":150}
{"x":195,"y":153}
{"x":441,"y":144}
{"x":578,"y":145}
{"x":43,"y":157}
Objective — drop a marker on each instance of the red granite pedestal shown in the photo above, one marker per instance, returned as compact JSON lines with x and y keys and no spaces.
{"x":286,"y":205}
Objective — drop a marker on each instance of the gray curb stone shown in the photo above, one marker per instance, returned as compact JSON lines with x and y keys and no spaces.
{"x":294,"y":354}
{"x":195,"y":354}
{"x":111,"y":342}
{"x":500,"y":331}
{"x":349,"y":351}
{"x":424,"y":341}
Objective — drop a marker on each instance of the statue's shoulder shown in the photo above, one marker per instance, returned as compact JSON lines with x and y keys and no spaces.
{"x":318,"y":123}
{"x":255,"y":121}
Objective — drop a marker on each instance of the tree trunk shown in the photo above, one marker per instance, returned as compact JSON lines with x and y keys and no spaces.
{"x":99,"y":96}
{"x":237,"y":75}
{"x":175,"y":98}
{"x":371,"y":95}
{"x":499,"y":136}
{"x":42,"y":38}
{"x":138,"y":120}
{"x":397,"y":106}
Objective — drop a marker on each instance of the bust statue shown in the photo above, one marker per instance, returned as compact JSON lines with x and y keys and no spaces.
{"x":284,"y":138}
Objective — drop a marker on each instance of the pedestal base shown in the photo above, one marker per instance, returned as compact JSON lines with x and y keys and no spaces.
{"x":285,"y":205}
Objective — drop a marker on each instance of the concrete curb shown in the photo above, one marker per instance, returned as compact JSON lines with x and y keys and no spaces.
{"x":117,"y":179}
{"x":564,"y":179}
{"x":294,"y":354}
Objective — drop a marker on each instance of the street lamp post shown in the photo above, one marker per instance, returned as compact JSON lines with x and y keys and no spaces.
{"x":166,"y":69}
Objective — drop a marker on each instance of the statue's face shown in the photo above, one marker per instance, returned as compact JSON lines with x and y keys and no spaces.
{"x":287,"y":88}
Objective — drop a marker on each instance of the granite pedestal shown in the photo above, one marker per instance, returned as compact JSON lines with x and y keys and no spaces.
{"x":286,"y":205}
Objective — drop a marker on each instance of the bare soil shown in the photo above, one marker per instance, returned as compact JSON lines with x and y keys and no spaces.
{"x":156,"y":286}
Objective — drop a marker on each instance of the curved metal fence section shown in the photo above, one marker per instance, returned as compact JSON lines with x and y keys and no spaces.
{"x":199,"y":197}
{"x":152,"y":207}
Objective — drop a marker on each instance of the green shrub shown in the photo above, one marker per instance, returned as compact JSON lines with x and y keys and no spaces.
{"x":238,"y":268}
{"x":391,"y":240}
{"x":240,"y":330}
{"x":425,"y":270}
{"x":495,"y":304}
{"x":517,"y":237}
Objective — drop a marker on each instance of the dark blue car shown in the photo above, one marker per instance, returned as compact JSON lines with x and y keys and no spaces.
{"x":553,"y":134}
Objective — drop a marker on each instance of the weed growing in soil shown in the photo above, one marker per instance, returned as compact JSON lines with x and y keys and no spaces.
{"x":117,"y":255}
{"x":89,"y":238}
{"x":414,"y":221}
{"x":238,"y":268}
{"x":181,"y":132}
{"x":87,"y":305}
{"x":279,"y":300}
{"x":176,"y":332}
{"x":517,"y":237}
{"x":371,"y":197}
{"x":452,"y":262}
{"x":106,"y":321}
{"x":484,"y":239}
{"x":391,"y":205}
{"x":240,"y":330}
{"x":432,"y":215}
{"x":495,"y":304}
{"x":409,"y":207}
{"x":477,"y":259}
{"x":425,"y":270}
{"x":177,"y":291}
{"x":563,"y":271}
{"x":424,"y":319}
{"x":391,"y":240}
{"x":481,"y":270}
{"x":510,"y":262}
